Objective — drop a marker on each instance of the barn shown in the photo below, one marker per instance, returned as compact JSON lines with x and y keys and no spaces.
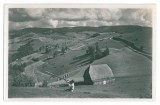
{"x":91,"y":75}
{"x":98,"y":74}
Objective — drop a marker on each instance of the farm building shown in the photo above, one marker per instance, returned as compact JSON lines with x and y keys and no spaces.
{"x":89,"y":75}
{"x":98,"y":74}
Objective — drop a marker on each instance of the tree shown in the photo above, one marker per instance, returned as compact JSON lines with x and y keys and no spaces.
{"x":66,"y":48}
{"x":44,"y":83}
{"x":23,"y":80}
{"x":57,"y":46}
{"x":91,"y":52}
{"x":40,"y":49}
{"x":24,"y":50}
{"x":46,"y":49}
{"x":98,"y":51}
{"x":16,"y":69}
{"x":141,"y":48}
{"x":95,"y":52}
{"x":62,"y":50}
{"x":106,"y":52}
{"x":87,"y":51}
{"x":55,"y":54}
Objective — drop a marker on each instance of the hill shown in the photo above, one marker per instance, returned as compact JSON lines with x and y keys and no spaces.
{"x":117,"y":29}
{"x":133,"y":71}
{"x":125,"y":62}
{"x":140,"y":38}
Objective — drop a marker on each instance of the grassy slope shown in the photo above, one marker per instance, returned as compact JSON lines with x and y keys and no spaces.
{"x":127,"y":63}
{"x":123,"y":62}
{"x":64,"y":63}
{"x":133,"y":87}
{"x":73,"y":59}
{"x":142,"y":37}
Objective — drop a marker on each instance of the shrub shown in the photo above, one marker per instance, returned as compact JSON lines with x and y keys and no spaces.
{"x":23,"y":81}
{"x":141,"y":48}
{"x":96,"y":53}
{"x":24,"y":50}
{"x":95,"y":35}
{"x":35,"y":59}
{"x":44,"y":83}
{"x":16,"y":69}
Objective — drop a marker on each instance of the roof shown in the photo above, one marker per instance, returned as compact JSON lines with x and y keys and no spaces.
{"x":100,"y":71}
{"x":95,"y":72}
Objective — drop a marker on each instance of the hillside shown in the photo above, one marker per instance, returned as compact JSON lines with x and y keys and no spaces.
{"x":63,"y":52}
{"x":117,"y":29}
{"x":124,"y":62}
{"x":140,"y":38}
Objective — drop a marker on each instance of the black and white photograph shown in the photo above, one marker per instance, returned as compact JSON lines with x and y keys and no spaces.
{"x":80,"y":51}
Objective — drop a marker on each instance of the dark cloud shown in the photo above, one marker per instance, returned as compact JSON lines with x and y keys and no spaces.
{"x":70,"y":17}
{"x":139,"y":16}
{"x":19,"y":15}
{"x":83,"y":14}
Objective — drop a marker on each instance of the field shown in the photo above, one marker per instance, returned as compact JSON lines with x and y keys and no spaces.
{"x":132,"y":70}
{"x":133,"y":87}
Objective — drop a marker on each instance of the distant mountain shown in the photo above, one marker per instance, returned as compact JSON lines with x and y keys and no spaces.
{"x":118,"y":29}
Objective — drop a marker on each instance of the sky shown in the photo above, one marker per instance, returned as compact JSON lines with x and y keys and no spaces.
{"x":20,"y":18}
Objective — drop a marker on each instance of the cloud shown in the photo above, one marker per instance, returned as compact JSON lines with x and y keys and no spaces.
{"x":20,"y":15}
{"x":26,"y":24}
{"x":54,"y":23}
{"x":70,"y":17}
{"x":35,"y":12}
{"x":136,"y":17}
{"x":83,"y":14}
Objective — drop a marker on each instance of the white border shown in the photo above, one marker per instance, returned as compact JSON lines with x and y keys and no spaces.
{"x":157,"y":100}
{"x":6,"y":7}
{"x":80,"y":5}
{"x":5,"y":57}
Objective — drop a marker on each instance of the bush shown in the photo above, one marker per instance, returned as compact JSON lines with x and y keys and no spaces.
{"x":90,"y":50}
{"x":35,"y":59}
{"x":55,"y":53}
{"x":141,"y":48}
{"x":24,"y":50}
{"x":23,"y":81}
{"x":96,"y":53}
{"x":16,"y":69}
{"x":106,"y":52}
{"x":44,"y":83}
{"x":95,"y":35}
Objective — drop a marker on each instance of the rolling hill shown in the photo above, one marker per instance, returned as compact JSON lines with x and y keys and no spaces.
{"x":129,"y":67}
{"x":118,"y":29}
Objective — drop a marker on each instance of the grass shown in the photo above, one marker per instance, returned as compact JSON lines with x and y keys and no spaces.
{"x":133,"y":71}
{"x":69,"y":61}
{"x":133,"y":87}
{"x":143,"y":37}
{"x":125,"y":62}
{"x":62,"y":64}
